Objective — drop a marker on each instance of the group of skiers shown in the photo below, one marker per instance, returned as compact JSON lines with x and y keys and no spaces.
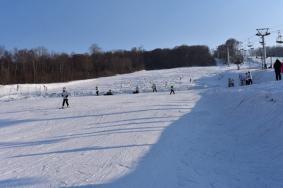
{"x":172,"y":91}
{"x":65,"y":94}
{"x":246,"y":78}
{"x":154,"y":89}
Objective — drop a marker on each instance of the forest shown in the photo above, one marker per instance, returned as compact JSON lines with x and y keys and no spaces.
{"x":38,"y":65}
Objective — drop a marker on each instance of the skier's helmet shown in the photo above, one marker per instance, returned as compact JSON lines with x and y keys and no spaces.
{"x":64,"y":88}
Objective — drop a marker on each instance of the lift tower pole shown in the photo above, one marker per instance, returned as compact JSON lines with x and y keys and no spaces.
{"x":228,"y":56}
{"x":263,"y":33}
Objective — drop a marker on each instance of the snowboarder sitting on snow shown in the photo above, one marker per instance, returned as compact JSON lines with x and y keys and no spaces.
{"x":109,"y":92}
{"x":136,"y":91}
{"x":65,"y":95}
{"x":172,"y":90}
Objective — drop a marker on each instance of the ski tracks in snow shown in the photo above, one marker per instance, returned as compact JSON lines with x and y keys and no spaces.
{"x":96,"y":140}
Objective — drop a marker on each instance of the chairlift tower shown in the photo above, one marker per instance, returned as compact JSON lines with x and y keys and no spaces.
{"x":228,"y":56}
{"x":263,"y":33}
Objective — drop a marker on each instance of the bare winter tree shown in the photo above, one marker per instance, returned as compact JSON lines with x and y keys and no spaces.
{"x":95,"y":49}
{"x":235,"y":54}
{"x":2,"y":51}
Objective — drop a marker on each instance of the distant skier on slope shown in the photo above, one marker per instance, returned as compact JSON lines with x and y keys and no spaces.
{"x":154,"y":88}
{"x":172,"y":90}
{"x":277,"y":68}
{"x":65,"y":95}
{"x":96,"y":91}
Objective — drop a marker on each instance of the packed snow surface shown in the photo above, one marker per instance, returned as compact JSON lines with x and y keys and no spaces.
{"x":205,"y":136}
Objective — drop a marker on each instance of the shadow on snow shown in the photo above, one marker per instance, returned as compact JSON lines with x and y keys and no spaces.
{"x":205,"y":149}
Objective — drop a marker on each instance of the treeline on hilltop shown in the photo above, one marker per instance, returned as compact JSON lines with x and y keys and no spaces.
{"x":40,"y":66}
{"x":237,"y":52}
{"x":274,"y":51}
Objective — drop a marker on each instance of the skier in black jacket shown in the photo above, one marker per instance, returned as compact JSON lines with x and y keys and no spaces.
{"x":172,"y":90}
{"x":277,"y":68}
{"x":96,"y":91}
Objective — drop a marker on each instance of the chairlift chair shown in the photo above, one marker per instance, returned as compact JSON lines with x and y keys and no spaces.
{"x":279,"y":39}
{"x":250,"y":45}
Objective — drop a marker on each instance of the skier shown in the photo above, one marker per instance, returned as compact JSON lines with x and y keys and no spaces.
{"x":249,"y":78}
{"x":97,"y":91}
{"x":45,"y":90}
{"x":154,"y":88}
{"x":172,"y":90}
{"x":246,"y":77}
{"x":277,"y":68}
{"x":241,"y":79}
{"x":65,"y":95}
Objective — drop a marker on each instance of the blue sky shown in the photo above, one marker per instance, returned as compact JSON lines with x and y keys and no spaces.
{"x":73,"y":25}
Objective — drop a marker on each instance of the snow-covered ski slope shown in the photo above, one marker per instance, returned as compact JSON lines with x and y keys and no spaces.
{"x":120,"y":84}
{"x":205,"y":136}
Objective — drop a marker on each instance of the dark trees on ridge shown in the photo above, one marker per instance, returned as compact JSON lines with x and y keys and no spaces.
{"x":40,"y":66}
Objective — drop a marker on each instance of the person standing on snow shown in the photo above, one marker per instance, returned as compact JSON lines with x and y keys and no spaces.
{"x":96,"y":91}
{"x":250,"y":78}
{"x":65,"y":95}
{"x":241,"y":79}
{"x":172,"y":90}
{"x":154,"y":88}
{"x":277,"y":68}
{"x":247,"y":78}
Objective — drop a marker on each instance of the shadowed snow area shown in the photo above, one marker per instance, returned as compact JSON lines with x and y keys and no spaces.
{"x":207,"y":135}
